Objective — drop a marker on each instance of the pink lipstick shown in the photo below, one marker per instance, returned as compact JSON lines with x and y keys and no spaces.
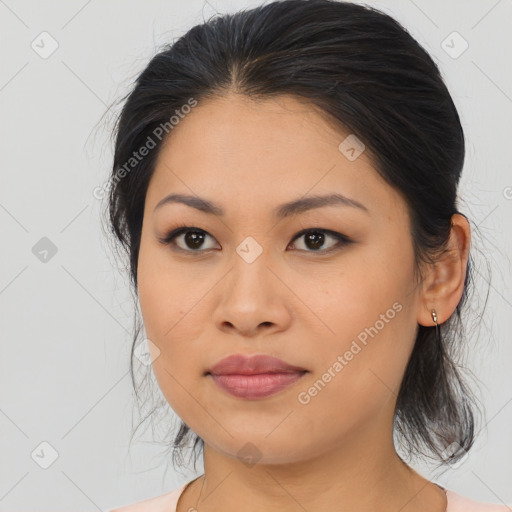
{"x":254,"y":377}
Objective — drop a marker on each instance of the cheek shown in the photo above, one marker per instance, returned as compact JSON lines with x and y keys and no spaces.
{"x":161,"y":302}
{"x":366,"y":315}
{"x":357,"y":372}
{"x":165,"y":294}
{"x":173,"y":304}
{"x":346,"y":298}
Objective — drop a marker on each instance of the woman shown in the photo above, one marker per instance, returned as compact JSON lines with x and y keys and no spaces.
{"x":285,"y":185}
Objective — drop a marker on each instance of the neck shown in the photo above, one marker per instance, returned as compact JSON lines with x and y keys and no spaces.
{"x":357,"y":475}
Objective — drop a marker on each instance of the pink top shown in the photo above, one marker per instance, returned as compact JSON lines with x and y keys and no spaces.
{"x":167,"y":503}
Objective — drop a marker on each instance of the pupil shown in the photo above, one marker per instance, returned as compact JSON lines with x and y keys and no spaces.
{"x":311,"y":238}
{"x":194,"y":238}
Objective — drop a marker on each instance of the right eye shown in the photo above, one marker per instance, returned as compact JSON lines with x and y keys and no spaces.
{"x":192,"y":240}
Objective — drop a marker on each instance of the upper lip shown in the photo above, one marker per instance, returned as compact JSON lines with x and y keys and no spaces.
{"x":240,"y":364}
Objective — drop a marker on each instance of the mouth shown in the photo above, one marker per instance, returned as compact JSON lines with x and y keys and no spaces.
{"x":254,"y":377}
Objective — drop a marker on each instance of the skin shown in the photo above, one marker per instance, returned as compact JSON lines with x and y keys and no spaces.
{"x":335,"y":452}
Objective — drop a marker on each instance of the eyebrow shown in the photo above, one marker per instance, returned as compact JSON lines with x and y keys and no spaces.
{"x":285,"y":210}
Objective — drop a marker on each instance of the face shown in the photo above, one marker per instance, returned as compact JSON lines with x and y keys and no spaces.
{"x":339,"y":301}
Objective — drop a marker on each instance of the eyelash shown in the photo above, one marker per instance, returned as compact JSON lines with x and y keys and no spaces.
{"x":343,"y":240}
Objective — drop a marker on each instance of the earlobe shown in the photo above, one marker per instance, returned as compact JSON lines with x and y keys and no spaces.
{"x":443,"y":286}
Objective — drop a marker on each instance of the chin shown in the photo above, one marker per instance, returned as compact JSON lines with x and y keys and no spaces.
{"x":259,"y":449}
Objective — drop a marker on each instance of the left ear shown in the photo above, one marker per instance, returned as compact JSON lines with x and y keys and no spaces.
{"x":443,"y":286}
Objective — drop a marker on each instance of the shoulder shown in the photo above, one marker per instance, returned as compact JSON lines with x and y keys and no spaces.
{"x":167,"y":503}
{"x":164,"y":503}
{"x":459,"y":503}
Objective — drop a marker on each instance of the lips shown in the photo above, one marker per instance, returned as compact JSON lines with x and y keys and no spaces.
{"x":254,"y":377}
{"x":239,"y":364}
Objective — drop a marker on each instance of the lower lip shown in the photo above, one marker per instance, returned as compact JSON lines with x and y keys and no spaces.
{"x":256,"y":386}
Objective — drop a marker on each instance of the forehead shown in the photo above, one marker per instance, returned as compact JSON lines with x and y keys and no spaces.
{"x":247,"y":126}
{"x":257,"y":152}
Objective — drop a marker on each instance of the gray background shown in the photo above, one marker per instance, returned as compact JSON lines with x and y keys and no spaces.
{"x":66,"y":321}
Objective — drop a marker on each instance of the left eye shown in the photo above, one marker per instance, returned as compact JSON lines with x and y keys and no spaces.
{"x":314,"y":239}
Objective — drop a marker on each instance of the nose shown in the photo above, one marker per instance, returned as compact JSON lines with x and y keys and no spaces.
{"x":254,"y":300}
